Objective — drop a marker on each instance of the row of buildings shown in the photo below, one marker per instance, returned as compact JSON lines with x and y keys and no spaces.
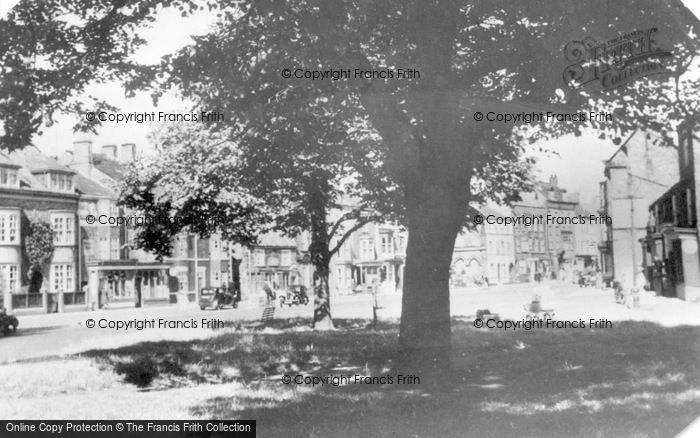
{"x":501,"y":253}
{"x":95,"y":264}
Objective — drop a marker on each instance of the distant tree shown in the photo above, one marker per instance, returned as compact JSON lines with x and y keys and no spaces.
{"x":191,"y":185}
{"x":279,"y":179}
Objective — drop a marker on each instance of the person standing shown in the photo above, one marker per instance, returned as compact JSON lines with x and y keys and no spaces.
{"x":269,"y":293}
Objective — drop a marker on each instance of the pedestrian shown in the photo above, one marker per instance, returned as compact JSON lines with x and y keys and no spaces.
{"x":269,"y":293}
{"x":104,"y":299}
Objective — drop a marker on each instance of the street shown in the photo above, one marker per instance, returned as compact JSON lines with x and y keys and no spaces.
{"x":54,"y":335}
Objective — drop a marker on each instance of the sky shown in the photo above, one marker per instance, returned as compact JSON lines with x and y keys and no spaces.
{"x":577,"y":162}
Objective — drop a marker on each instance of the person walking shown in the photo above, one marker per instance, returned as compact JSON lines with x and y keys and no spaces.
{"x":269,"y":293}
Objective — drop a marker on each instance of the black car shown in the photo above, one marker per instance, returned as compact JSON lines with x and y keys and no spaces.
{"x":294,"y":295}
{"x":218,"y":298}
{"x":8,"y":323}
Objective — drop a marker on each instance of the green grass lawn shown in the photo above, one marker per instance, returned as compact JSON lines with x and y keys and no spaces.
{"x":633,"y":380}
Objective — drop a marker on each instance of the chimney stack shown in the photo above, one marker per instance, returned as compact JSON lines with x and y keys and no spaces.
{"x":127,"y":152}
{"x":82,"y":157}
{"x":110,"y":150}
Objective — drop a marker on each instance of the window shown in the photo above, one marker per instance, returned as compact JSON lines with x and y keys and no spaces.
{"x":366,"y":249}
{"x":286,"y":257}
{"x":8,"y":278}
{"x":685,"y":147}
{"x":8,"y":177}
{"x":201,"y":276}
{"x":340,"y":277}
{"x":63,"y":229}
{"x":115,"y":249}
{"x":182,"y":247}
{"x":104,"y":248}
{"x":62,"y":278}
{"x":689,"y":205}
{"x":259,"y":257}
{"x":215,"y":246}
{"x":182,"y":281}
{"x":387,"y":244}
{"x":60,"y":182}
{"x":9,"y":227}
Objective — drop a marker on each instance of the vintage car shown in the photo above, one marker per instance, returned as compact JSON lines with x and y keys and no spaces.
{"x":218,"y":298}
{"x":8,"y":323}
{"x":295,"y":294}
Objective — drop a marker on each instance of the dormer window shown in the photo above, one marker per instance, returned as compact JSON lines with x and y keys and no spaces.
{"x":59,"y":182}
{"x":8,"y":177}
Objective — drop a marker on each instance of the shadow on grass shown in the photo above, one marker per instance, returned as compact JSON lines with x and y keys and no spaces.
{"x":253,"y":352}
{"x":635,"y":379}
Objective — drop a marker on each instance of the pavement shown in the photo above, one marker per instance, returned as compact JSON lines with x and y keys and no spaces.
{"x":55,"y":335}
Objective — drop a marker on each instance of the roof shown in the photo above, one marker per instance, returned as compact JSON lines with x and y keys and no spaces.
{"x":110,"y":167}
{"x":87,"y":186}
{"x":33,"y":160}
{"x":6,"y":161}
{"x":276,"y":239}
{"x":489,"y":210}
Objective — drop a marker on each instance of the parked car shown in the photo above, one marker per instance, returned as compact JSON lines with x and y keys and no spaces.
{"x":218,"y":298}
{"x":8,"y":323}
{"x":295,"y":294}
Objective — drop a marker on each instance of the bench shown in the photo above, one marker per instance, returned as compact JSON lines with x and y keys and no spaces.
{"x":268,"y":314}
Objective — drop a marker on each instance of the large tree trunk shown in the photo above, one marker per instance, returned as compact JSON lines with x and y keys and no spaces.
{"x":435,"y":216}
{"x":322,"y":299}
{"x":320,"y":253}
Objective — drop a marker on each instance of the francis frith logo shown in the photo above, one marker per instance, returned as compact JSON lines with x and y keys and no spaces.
{"x":615,"y":62}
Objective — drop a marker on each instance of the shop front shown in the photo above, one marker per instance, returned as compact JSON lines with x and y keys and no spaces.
{"x":127,"y":284}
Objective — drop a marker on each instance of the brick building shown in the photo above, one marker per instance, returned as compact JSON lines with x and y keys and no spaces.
{"x":373,"y":255}
{"x":277,"y":260}
{"x":36,"y":188}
